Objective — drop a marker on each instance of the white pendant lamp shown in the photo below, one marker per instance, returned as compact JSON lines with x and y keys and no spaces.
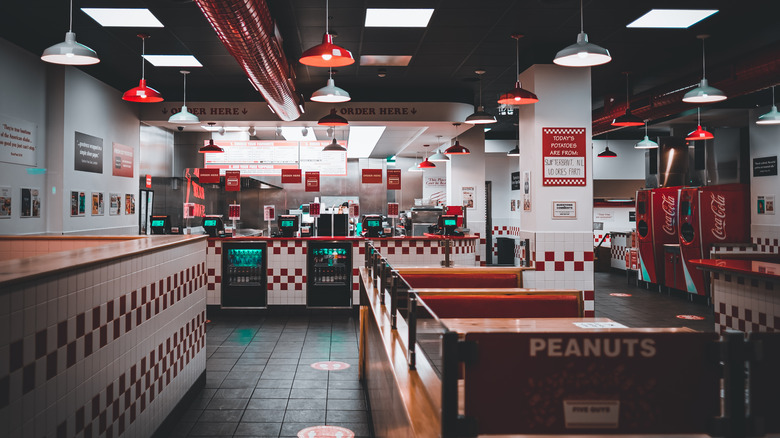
{"x":646,"y":143}
{"x":480,"y":116}
{"x":582,"y":53}
{"x":70,"y":52}
{"x":414,"y":167}
{"x":184,"y":117}
{"x":772,"y":117}
{"x":330,"y":93}
{"x":703,"y":93}
{"x":438,"y":156}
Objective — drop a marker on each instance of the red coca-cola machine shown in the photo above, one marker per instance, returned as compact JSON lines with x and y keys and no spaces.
{"x":656,"y":225}
{"x":710,"y":215}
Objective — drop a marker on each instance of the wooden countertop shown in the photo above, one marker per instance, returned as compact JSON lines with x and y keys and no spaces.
{"x":748,"y":268}
{"x":19,"y":270}
{"x":351,"y":238}
{"x":545,"y":325}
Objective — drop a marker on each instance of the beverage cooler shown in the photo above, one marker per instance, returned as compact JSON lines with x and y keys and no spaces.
{"x":710,"y":215}
{"x":329,"y":274}
{"x":656,"y":224}
{"x":244,"y":281}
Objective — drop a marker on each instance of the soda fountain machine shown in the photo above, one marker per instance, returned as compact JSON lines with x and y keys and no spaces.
{"x":656,"y":225}
{"x":710,"y":215}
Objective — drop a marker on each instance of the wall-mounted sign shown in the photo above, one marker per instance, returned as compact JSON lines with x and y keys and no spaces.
{"x":269,"y":158}
{"x":765,"y":204}
{"x":564,"y":151}
{"x":291,"y":176}
{"x":354,"y":209}
{"x":392,"y":209}
{"x":469,"y":193}
{"x":122,"y":158}
{"x":393,"y":179}
{"x":88,"y":152}
{"x":312,"y":181}
{"x":371,"y":176}
{"x":233,"y":181}
{"x":516,"y":180}
{"x":765,"y":166}
{"x":115,"y":204}
{"x":148,"y":181}
{"x":98,"y":208}
{"x":17,"y":141}
{"x":208,"y":176}
{"x":527,"y":190}
{"x":564,"y":210}
{"x":78,"y":203}
{"x":129,"y":203}
{"x":5,"y":202}
{"x":632,"y":216}
{"x":269,"y":213}
{"x":189,"y":210}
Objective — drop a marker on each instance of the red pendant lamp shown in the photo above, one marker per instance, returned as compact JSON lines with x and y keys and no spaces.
{"x":457,"y":148}
{"x":699,"y":133}
{"x":211,"y":148}
{"x":327,"y":54}
{"x":517,"y":95}
{"x":426,"y":164}
{"x":627,"y":119}
{"x":142,"y":93}
{"x":333,"y":119}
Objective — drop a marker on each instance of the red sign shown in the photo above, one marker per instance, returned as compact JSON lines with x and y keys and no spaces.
{"x":208,"y":176}
{"x":148,"y":181}
{"x":122,"y":159}
{"x":392,"y":209}
{"x":354,"y":209}
{"x":592,"y":383}
{"x":564,"y":151}
{"x":372,"y":176}
{"x":314,"y":209}
{"x":269,"y":212}
{"x":234,"y":212}
{"x":291,"y":176}
{"x":393,"y":179}
{"x":312,"y":181}
{"x":233,"y":181}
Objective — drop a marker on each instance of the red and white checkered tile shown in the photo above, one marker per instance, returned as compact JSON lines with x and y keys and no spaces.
{"x":77,"y":340}
{"x":746,"y":304}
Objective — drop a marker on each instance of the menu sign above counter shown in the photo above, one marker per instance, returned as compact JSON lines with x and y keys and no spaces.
{"x":564,"y":151}
{"x":268,"y":158}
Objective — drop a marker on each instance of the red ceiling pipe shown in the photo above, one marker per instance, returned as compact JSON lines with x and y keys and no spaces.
{"x":247,"y":30}
{"x":746,"y":74}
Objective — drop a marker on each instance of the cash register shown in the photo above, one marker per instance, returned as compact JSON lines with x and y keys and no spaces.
{"x":372,"y":225}
{"x":214,"y":226}
{"x":448,"y":225}
{"x":287,"y":224}
{"x":161,"y":224}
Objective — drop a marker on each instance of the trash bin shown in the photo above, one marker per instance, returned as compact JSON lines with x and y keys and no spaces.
{"x":506,"y":251}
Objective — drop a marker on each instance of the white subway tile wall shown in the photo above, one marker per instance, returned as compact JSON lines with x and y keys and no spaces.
{"x":105,"y":350}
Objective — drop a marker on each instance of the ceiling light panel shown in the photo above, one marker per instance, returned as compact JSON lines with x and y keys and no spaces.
{"x":385,"y":60}
{"x":173,"y":60}
{"x":671,"y":18}
{"x":362,"y":140}
{"x":397,"y":17}
{"x":123,"y":17}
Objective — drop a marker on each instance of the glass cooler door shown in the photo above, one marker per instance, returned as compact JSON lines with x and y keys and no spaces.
{"x":329,"y":276}
{"x":244,"y":275}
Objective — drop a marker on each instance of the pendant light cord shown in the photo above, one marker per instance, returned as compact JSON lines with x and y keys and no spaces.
{"x":703,"y":63}
{"x":70,"y":26}
{"x":143,"y":52}
{"x":698,"y":110}
{"x":582,"y":19}
{"x":517,"y":58}
{"x":185,"y":88}
{"x":773,"y":95}
{"x":627,"y":102}
{"x":326,"y":18}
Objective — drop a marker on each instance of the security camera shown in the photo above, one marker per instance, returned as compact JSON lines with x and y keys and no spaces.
{"x":180,"y":128}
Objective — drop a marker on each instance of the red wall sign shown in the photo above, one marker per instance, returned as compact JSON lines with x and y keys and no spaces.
{"x":233,"y":181}
{"x":208,"y":176}
{"x":393,"y":179}
{"x":354,"y":209}
{"x":372,"y":176}
{"x":291,"y":176}
{"x":234,"y":212}
{"x":122,"y":157}
{"x":564,"y":151}
{"x":148,"y":181}
{"x":314,"y":209}
{"x":312,"y":181}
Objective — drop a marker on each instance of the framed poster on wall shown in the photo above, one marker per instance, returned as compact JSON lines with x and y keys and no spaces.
{"x":563,"y":152}
{"x":5,"y":202}
{"x":78,"y":203}
{"x":31,"y":203}
{"x":97,"y":204}
{"x":115,"y":206}
{"x":129,"y":204}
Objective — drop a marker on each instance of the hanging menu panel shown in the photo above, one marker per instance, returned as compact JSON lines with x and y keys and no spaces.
{"x":268,"y":158}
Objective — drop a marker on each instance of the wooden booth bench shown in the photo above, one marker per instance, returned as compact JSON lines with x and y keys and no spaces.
{"x":468,"y":277}
{"x":503,"y":303}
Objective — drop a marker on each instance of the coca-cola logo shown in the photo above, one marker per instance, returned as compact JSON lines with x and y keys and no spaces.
{"x":670,"y":212}
{"x":718,"y":207}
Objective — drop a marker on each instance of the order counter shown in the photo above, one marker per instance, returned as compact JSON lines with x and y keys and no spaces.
{"x":287,"y":280}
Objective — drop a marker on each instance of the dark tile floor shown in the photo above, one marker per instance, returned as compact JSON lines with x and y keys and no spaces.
{"x":260,"y":382}
{"x":646,"y":307}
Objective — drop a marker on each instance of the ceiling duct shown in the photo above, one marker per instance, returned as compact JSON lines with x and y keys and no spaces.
{"x":744,"y":75}
{"x":246,"y":29}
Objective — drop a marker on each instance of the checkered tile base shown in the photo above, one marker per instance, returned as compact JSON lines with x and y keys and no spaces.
{"x":745,"y":304}
{"x":104,"y":350}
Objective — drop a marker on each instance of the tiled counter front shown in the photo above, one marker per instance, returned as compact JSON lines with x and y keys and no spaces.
{"x":106,"y":349}
{"x":744,"y":303}
{"x":621,"y":242}
{"x":287,"y":263}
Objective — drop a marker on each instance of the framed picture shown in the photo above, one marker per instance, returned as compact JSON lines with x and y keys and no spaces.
{"x":129,"y":204}
{"x":564,"y":210}
{"x":31,"y":203}
{"x":97,"y":204}
{"x":115,"y":205}
{"x":5,"y":202}
{"x":78,"y":203}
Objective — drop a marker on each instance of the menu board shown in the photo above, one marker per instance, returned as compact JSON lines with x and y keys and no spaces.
{"x":564,"y":151}
{"x":268,"y":158}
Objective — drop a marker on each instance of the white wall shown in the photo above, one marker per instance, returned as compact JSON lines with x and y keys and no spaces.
{"x":23,"y":97}
{"x":629,"y":163}
{"x":469,"y":171}
{"x":498,"y":170}
{"x":764,"y":142}
{"x":59,"y":101}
